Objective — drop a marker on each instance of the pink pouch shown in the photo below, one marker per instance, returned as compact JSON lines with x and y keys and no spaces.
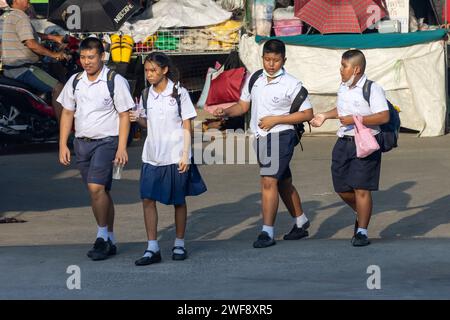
{"x":365,"y":142}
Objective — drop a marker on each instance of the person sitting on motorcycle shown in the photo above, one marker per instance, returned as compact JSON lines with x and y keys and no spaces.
{"x":21,"y":52}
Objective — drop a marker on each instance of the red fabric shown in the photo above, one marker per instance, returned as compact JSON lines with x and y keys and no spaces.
{"x":340,"y":16}
{"x":226,"y":87}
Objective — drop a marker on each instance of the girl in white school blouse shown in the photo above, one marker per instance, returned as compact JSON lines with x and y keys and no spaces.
{"x":167,"y":174}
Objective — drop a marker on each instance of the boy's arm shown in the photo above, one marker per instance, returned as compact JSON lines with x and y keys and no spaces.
{"x":268,"y":123}
{"x":320,"y":118}
{"x":235,"y":110}
{"x":64,"y":131}
{"x":375,"y":119}
{"x":124,"y":131}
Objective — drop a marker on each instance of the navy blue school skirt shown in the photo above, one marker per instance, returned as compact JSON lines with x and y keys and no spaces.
{"x":166,"y":185}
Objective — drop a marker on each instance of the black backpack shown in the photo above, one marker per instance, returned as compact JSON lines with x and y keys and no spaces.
{"x":110,"y":82}
{"x":298,"y":101}
{"x":145,"y":93}
{"x":389,"y":131}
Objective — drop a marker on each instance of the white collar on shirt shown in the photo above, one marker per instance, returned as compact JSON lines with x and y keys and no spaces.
{"x":167,"y":91}
{"x":274,"y":81}
{"x":103,"y":76}
{"x":361,"y":82}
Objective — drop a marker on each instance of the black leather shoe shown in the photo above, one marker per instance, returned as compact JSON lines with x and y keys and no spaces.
{"x":144,"y":261}
{"x":101,"y":249}
{"x":360,"y":240}
{"x":112,"y":251}
{"x":297,"y":233}
{"x":179,"y":256}
{"x":263,"y":241}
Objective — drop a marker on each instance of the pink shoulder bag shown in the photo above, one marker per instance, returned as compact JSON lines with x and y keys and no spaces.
{"x":365,"y":142}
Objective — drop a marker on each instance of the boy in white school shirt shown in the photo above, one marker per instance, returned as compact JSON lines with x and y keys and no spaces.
{"x":101,"y":130}
{"x":354,"y":179}
{"x":272,"y":96}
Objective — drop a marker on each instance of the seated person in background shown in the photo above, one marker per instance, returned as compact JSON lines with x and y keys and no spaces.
{"x":21,"y":52}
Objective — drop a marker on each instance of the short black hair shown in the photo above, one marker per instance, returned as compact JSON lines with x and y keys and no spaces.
{"x":275,"y":46}
{"x":92,"y":43}
{"x":10,"y":2}
{"x":356,"y":58}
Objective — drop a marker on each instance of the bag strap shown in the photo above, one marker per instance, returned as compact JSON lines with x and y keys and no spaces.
{"x":110,"y":82}
{"x":299,"y":99}
{"x":76,"y":80}
{"x":367,"y":88}
{"x":253,"y":79}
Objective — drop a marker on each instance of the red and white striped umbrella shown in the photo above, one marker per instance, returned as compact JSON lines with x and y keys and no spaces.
{"x":339,"y":16}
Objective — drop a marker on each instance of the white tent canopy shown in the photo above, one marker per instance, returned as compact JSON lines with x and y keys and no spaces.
{"x":413,"y":78}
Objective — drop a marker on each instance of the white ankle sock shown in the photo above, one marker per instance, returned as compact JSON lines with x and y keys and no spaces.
{"x":152,"y":246}
{"x":178,"y":243}
{"x":111,"y":237}
{"x":102,"y":232}
{"x":269,"y":230}
{"x":301,"y":220}
{"x":363,"y":231}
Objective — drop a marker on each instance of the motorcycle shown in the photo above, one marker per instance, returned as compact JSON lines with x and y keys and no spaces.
{"x":26,"y":116}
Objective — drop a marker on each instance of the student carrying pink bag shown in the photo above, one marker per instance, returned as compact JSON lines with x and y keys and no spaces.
{"x":365,"y":142}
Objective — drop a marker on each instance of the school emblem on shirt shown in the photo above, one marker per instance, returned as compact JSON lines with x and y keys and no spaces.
{"x":275,"y":99}
{"x":172,"y":102}
{"x":107,"y":101}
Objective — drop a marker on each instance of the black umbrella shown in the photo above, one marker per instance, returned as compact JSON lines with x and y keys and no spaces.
{"x":95,"y":15}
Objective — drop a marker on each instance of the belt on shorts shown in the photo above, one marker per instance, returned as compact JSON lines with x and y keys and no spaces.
{"x":89,"y":139}
{"x":348,"y":138}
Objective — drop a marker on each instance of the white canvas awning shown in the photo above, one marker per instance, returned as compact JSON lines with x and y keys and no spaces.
{"x":413,"y":78}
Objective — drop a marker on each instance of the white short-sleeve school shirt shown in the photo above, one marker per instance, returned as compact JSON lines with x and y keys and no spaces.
{"x":352,"y":102}
{"x":272,"y":98}
{"x":96,"y":114}
{"x":165,"y":140}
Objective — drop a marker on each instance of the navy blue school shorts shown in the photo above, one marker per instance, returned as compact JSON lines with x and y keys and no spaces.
{"x":274,"y":153}
{"x":94,"y":159}
{"x":350,"y":172}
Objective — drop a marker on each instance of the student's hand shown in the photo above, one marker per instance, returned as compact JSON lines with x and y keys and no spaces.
{"x":318,"y":120}
{"x":219,"y":112}
{"x":267,"y":123}
{"x":64,"y":155}
{"x":134,"y":115}
{"x":121,"y":157}
{"x":183,"y":165}
{"x":346,"y":120}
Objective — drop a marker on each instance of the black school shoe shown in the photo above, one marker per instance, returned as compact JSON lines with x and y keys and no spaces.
{"x":263,"y":241}
{"x":144,"y":261}
{"x":297,"y":233}
{"x":179,"y":256}
{"x":101,"y":249}
{"x":112,"y":251}
{"x":360,"y":240}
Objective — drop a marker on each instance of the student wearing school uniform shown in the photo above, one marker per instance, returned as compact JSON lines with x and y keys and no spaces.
{"x":101,"y":130}
{"x":354,"y":179}
{"x":167,"y":174}
{"x":271,"y":98}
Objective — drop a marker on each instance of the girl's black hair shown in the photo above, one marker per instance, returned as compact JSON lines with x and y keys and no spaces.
{"x":163,"y":60}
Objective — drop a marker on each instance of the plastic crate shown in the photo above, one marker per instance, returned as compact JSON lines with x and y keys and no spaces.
{"x":290,"y":27}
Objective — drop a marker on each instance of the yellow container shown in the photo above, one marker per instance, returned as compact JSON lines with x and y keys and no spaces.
{"x":127,"y":48}
{"x":121,"y":48}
